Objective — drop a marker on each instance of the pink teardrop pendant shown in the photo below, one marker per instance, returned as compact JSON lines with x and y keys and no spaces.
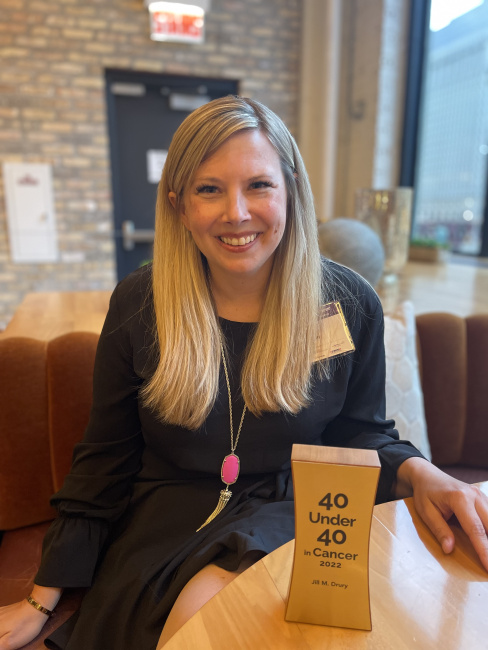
{"x":230,"y":469}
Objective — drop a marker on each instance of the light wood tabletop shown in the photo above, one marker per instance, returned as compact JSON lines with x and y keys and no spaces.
{"x":420,"y":598}
{"x":455,"y":287}
{"x":49,"y":314}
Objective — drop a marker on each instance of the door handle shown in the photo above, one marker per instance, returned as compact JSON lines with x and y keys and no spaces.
{"x":131,"y":236}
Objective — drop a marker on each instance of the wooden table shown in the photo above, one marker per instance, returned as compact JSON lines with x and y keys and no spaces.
{"x":456,"y":287}
{"x":420,"y":598}
{"x":50,"y":314}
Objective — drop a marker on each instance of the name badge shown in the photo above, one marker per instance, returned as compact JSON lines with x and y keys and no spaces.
{"x":334,"y":336}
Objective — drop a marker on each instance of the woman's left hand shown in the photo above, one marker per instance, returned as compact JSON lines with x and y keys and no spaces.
{"x":437,"y":496}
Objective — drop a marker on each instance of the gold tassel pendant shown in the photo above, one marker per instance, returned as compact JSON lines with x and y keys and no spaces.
{"x":225,"y":495}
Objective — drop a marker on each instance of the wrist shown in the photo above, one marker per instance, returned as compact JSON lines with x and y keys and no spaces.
{"x":47,"y":597}
{"x":40,"y":608}
{"x":406,"y":473}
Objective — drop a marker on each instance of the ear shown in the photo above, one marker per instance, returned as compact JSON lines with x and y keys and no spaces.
{"x":181,"y":210}
{"x":172,"y":199}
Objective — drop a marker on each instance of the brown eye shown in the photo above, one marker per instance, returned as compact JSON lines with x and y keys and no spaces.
{"x":207,"y":189}
{"x":259,"y":185}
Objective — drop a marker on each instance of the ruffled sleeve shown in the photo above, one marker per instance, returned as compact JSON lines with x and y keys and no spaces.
{"x":361,"y":423}
{"x":98,"y":488}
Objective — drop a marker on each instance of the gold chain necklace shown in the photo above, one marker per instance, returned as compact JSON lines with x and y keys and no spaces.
{"x":231,"y":464}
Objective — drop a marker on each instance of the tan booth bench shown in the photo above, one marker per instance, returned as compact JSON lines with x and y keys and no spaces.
{"x":45,"y":398}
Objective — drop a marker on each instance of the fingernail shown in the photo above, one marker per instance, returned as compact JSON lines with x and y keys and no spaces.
{"x":446,"y":547}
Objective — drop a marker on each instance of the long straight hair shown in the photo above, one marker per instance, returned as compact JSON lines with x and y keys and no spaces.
{"x":277,"y":370}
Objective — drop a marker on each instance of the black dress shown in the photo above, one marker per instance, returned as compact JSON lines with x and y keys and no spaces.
{"x":138,"y":490}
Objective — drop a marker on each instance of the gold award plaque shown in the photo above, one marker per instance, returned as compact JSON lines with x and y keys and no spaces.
{"x":335,"y":491}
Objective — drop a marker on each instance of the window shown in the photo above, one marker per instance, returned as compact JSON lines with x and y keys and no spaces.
{"x":451,"y":163}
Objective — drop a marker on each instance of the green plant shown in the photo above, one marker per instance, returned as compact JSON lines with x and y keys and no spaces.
{"x":425,"y":242}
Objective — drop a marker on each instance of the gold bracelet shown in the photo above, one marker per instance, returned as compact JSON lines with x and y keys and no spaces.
{"x":39,"y":607}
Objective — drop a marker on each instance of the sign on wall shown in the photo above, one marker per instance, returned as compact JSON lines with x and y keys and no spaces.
{"x":30,"y":212}
{"x":155,"y":159}
{"x":181,"y":22}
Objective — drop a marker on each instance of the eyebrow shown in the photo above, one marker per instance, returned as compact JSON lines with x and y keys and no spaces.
{"x":214,"y":179}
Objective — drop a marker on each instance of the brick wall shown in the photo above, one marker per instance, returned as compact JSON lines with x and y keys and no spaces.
{"x":52,"y":108}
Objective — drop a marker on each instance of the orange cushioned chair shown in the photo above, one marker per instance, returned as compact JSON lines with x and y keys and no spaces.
{"x":45,"y":400}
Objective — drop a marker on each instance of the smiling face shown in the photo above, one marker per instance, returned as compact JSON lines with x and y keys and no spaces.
{"x":235,"y":207}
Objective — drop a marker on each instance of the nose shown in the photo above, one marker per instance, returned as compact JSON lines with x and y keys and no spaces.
{"x":236,"y":209}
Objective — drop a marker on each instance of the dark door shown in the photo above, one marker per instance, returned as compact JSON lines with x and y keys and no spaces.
{"x":144,"y":111}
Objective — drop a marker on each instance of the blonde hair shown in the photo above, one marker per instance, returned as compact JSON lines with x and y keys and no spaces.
{"x":277,"y":370}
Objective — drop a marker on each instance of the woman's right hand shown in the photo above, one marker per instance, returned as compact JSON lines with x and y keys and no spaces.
{"x":19,"y":624}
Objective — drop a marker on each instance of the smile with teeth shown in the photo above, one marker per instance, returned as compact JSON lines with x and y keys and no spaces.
{"x":241,"y":241}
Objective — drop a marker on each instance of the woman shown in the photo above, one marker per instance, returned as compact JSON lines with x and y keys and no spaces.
{"x":211,"y":354}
